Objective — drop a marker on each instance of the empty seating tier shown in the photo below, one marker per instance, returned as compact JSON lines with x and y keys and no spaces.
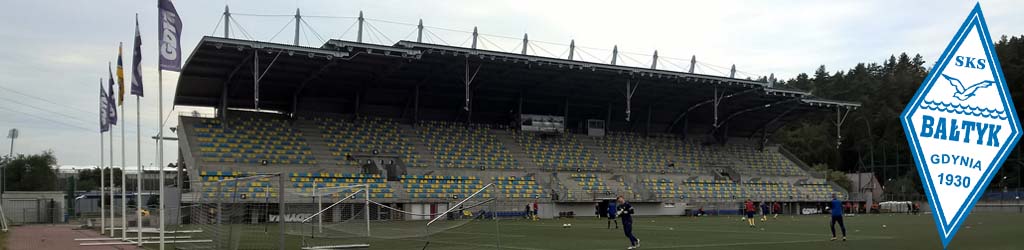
{"x":440,"y":186}
{"x":456,"y":145}
{"x":637,"y":154}
{"x":365,"y":136}
{"x":252,"y":141}
{"x":715,"y":189}
{"x":519,"y":187}
{"x":557,"y":152}
{"x":590,"y":183}
{"x":758,"y":162}
{"x":663,"y":188}
{"x":771,"y":190}
{"x":223,"y":185}
{"x":818,"y":190}
{"x":339,"y":185}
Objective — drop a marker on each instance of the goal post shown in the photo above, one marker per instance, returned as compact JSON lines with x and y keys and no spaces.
{"x":238,"y":212}
{"x":331,"y":217}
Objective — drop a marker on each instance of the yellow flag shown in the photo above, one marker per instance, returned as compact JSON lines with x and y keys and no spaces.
{"x":120,"y":76}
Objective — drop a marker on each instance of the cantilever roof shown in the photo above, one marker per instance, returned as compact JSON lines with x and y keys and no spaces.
{"x":340,"y":73}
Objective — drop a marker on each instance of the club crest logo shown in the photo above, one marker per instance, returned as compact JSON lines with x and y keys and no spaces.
{"x":961,"y":125}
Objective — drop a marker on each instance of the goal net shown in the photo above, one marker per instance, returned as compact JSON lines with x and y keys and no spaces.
{"x":263,"y":212}
{"x":236,"y":213}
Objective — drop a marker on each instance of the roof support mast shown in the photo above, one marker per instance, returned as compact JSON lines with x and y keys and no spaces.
{"x":359,"y":34}
{"x":419,"y":32}
{"x":475,"y":35}
{"x":654,"y":60}
{"x":693,"y":62}
{"x":526,"y":42}
{"x":615,"y":56}
{"x":227,"y":22}
{"x":298,"y":20}
{"x":572,"y":48}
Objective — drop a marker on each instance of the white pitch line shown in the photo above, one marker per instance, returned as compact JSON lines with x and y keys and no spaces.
{"x":740,"y":244}
{"x":479,"y":245}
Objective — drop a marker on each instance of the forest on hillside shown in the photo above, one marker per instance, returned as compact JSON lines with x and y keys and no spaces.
{"x":873,"y":138}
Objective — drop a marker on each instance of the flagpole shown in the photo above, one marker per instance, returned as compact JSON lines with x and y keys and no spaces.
{"x":169,"y":37}
{"x":111,"y":142}
{"x":103,"y":198}
{"x":160,"y":145}
{"x":138,"y":176}
{"x":124,"y":180}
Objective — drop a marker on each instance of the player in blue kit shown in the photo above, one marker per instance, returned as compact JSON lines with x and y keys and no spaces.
{"x":837,"y":216}
{"x":611,"y":215}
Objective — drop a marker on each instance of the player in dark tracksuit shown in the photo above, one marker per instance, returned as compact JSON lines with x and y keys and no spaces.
{"x":625,"y":213}
{"x":837,"y":216}
{"x":764,"y":211}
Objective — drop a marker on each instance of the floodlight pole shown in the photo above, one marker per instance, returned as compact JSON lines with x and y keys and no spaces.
{"x":13,"y":134}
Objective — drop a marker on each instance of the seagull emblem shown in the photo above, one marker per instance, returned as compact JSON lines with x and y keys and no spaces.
{"x":966,"y":92}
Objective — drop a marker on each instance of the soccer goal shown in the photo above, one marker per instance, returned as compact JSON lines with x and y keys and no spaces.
{"x":335,"y":217}
{"x":238,"y":213}
{"x":345,"y":218}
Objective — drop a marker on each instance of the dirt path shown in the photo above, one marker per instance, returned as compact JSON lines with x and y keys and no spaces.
{"x":38,"y":237}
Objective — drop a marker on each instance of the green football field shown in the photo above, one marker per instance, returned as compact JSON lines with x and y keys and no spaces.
{"x":981,"y":231}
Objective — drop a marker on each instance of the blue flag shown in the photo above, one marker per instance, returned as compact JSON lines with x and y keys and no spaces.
{"x":104,"y":110}
{"x":170,"y":36}
{"x":112,"y":111}
{"x":137,"y":62}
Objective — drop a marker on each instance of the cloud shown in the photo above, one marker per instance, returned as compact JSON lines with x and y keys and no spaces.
{"x":60,"y":58}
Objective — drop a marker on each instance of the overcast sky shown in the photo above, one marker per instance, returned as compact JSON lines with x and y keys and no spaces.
{"x":55,"y":52}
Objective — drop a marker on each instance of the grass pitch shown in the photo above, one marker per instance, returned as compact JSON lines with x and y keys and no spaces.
{"x":981,"y":231}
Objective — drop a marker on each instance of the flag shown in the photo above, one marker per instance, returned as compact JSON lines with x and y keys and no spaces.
{"x":120,"y":76}
{"x":137,"y":61}
{"x":112,"y":113}
{"x":169,"y":36}
{"x":104,"y":110}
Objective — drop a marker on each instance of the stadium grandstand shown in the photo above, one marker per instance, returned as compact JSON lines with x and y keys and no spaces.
{"x":423,"y":125}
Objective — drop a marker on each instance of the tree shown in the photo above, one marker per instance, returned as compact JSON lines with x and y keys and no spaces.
{"x":883,"y":89}
{"x":31,"y":172}
{"x":89,"y":179}
{"x":153,"y":201}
